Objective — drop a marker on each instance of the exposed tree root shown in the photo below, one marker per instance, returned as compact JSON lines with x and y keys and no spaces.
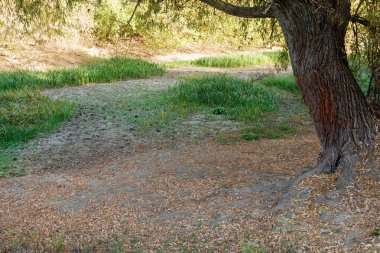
{"x":347,"y":171}
{"x":372,"y":165}
{"x":289,"y":192}
{"x":374,"y":174}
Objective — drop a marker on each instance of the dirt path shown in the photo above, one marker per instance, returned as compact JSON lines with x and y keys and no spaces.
{"x":100,"y":187}
{"x":94,"y":134}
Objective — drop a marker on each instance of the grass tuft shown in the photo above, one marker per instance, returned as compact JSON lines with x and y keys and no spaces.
{"x":271,"y":108}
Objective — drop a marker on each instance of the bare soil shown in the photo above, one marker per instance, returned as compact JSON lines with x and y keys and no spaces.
{"x":95,"y":185}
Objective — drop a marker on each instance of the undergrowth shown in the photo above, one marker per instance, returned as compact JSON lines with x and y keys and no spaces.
{"x":237,"y":98}
{"x":233,"y":61}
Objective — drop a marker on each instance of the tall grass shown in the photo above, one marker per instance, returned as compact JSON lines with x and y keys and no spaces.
{"x":286,"y":83}
{"x":257,"y":105}
{"x":238,"y":98}
{"x":232,"y":61}
{"x":26,"y":113}
{"x":94,"y":71}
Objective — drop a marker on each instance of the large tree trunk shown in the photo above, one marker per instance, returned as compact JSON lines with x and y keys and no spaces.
{"x":315,"y":31}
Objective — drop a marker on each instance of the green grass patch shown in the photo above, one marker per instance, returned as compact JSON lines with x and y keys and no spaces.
{"x":176,"y":64}
{"x":147,"y":110}
{"x":280,"y":58}
{"x":239,"y":99}
{"x":8,"y":159}
{"x":284,"y":83}
{"x":253,"y":104}
{"x":233,"y":61}
{"x":271,"y":108}
{"x":94,"y":71}
{"x":26,"y":113}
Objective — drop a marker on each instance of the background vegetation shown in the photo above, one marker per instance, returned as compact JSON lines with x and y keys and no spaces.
{"x":156,"y":24}
{"x":232,"y":61}
{"x":94,"y":71}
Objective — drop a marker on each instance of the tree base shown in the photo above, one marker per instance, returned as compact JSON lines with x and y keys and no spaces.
{"x":347,"y":170}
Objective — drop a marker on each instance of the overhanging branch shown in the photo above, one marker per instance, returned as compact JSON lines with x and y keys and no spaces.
{"x":134,"y":12}
{"x":239,"y":11}
{"x":360,"y":20}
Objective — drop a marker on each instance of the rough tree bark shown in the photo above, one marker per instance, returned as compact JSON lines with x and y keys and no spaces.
{"x":315,"y":32}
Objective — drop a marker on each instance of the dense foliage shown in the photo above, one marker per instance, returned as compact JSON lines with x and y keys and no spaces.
{"x":157,"y":23}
